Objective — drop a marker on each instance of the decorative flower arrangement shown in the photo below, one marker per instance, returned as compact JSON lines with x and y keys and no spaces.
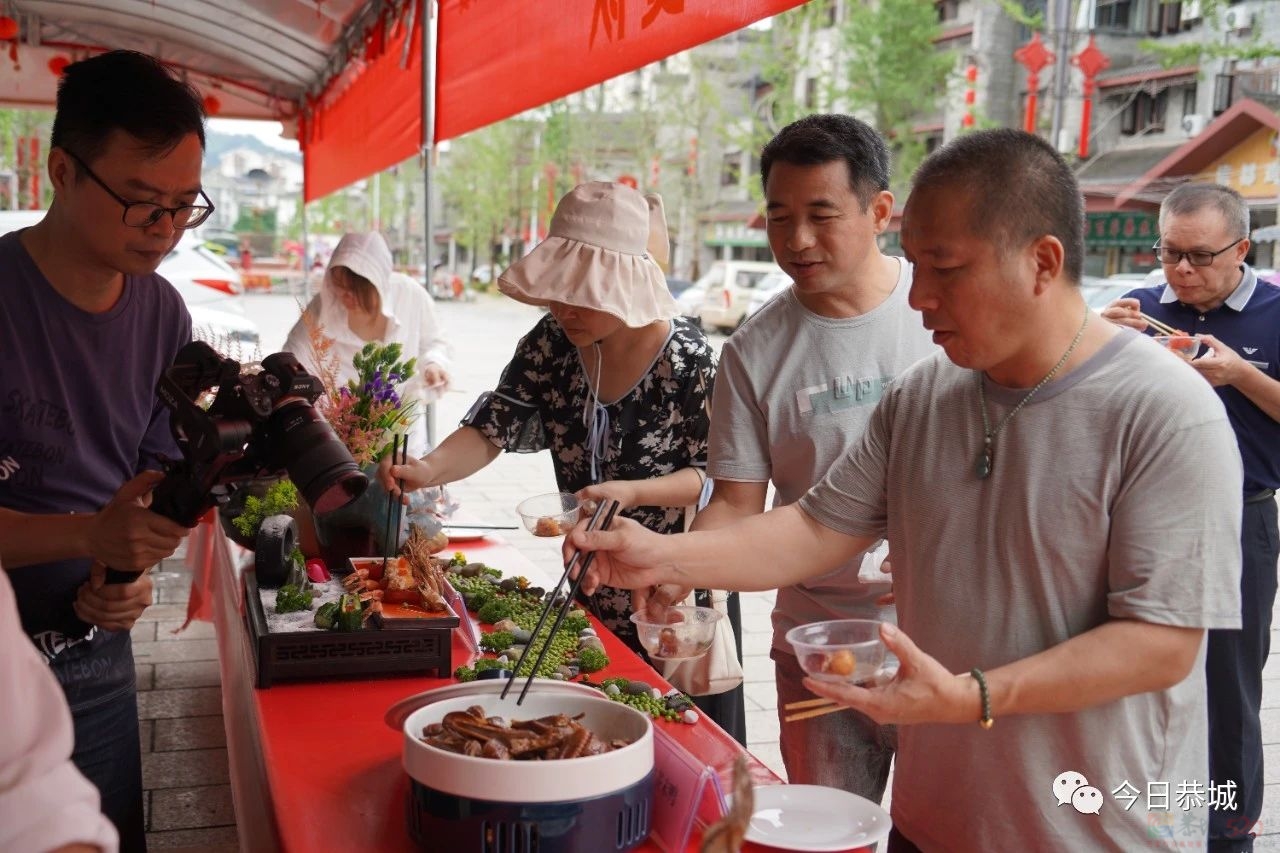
{"x":369,"y":410}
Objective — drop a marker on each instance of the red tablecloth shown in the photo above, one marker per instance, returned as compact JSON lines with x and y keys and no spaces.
{"x":313,"y":765}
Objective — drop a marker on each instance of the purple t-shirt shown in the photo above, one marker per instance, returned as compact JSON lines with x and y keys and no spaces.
{"x":79,"y":416}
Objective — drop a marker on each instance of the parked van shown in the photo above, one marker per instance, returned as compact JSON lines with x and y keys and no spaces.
{"x":728,"y":287}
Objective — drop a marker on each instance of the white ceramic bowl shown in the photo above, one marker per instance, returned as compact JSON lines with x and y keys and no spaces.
{"x":532,"y":781}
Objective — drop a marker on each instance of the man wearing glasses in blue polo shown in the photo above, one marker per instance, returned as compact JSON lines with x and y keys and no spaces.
{"x":1212,"y":294}
{"x":86,"y":329}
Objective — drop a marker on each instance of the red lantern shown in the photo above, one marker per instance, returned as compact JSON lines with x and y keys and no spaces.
{"x":967,"y":120}
{"x":971,"y":73}
{"x":212,"y":106}
{"x":58,"y":64}
{"x":629,"y":181}
{"x":8,"y":28}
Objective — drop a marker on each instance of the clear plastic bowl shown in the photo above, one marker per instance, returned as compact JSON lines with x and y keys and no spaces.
{"x":1187,"y":346}
{"x":846,"y":651}
{"x":552,"y":514}
{"x":677,"y":633}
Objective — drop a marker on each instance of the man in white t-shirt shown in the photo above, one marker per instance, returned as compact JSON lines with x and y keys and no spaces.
{"x":796,"y":386}
{"x":1063,"y":502}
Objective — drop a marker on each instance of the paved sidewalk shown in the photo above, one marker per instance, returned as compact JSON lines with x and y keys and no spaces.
{"x":184,"y":749}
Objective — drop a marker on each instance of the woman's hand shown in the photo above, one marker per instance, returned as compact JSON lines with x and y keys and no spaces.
{"x":415,"y":474}
{"x":622,"y":491}
{"x":435,"y":377}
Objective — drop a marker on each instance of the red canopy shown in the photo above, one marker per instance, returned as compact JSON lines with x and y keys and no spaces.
{"x":497,"y":59}
{"x":350,"y":71}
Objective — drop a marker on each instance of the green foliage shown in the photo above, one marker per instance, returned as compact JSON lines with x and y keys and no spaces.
{"x":487,"y":184}
{"x":889,"y":73}
{"x":576,"y":623}
{"x":1016,"y":11}
{"x":1231,"y":46}
{"x":255,"y":220}
{"x":496,"y":641}
{"x":281,"y":499}
{"x":894,"y":73}
{"x":290,"y":598}
{"x":591,"y":659}
{"x":494,"y":610}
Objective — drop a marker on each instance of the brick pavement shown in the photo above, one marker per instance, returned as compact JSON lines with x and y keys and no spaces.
{"x":188,"y":800}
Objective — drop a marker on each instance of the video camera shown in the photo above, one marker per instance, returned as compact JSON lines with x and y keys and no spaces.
{"x":257,"y":425}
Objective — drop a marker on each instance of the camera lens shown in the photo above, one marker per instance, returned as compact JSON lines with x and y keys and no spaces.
{"x":318,"y":463}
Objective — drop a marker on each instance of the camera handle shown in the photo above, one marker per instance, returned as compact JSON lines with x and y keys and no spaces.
{"x":210,"y":448}
{"x":177,"y":497}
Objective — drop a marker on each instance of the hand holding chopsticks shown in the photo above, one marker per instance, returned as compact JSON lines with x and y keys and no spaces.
{"x":570,"y":596}
{"x":395,"y":506}
{"x":1161,"y":327}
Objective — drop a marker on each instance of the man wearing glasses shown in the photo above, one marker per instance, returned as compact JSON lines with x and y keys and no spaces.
{"x":86,"y":328}
{"x":1213,"y":294}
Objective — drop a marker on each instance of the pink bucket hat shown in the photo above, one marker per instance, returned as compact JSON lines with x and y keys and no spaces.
{"x":604,"y":250}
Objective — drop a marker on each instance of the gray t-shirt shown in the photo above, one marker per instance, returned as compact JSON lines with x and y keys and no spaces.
{"x":1115,"y":494}
{"x":793,"y":394}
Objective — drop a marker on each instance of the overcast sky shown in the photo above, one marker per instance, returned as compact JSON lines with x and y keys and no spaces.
{"x":267,"y":131}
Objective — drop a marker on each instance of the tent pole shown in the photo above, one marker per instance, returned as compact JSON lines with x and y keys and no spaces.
{"x":430,"y":10}
{"x":306,"y":254}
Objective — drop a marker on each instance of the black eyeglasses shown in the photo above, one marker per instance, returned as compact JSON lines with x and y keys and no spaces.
{"x":1199,"y":258}
{"x":144,"y":214}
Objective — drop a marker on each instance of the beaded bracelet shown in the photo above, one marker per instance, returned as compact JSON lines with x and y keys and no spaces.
{"x":986,"y":722}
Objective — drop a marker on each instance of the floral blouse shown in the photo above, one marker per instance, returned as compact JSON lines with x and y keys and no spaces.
{"x":544,"y":402}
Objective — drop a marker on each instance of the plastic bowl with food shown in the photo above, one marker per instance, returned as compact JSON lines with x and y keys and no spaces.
{"x":553,"y":514}
{"x":846,"y":651}
{"x":676,"y":633}
{"x":1187,"y":346}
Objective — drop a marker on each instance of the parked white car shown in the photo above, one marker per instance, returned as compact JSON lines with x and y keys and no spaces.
{"x":769,"y":287}
{"x":729,"y":286}
{"x":210,"y":287}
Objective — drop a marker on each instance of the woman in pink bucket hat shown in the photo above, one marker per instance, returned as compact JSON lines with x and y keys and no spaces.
{"x":612,"y":381}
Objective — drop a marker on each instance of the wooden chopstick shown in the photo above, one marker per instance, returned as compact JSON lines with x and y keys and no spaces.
{"x":546,"y":610}
{"x":1162,"y":328}
{"x":808,"y":703}
{"x":569,"y":598}
{"x":816,"y":712}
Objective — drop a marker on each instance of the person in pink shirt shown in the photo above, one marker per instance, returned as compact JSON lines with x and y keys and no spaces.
{"x":45,"y":804}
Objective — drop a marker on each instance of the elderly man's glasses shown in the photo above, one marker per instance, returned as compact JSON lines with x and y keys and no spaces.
{"x":144,"y":214}
{"x":1199,"y":258}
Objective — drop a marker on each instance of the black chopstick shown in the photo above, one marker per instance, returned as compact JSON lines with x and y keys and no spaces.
{"x":393,"y":502}
{"x":404,"y":460}
{"x":546,"y":610}
{"x":569,"y":599}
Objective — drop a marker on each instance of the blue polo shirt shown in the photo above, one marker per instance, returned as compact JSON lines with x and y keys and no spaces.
{"x":1249,"y":323}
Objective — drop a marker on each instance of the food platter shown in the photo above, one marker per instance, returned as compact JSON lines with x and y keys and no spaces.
{"x":815,"y":818}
